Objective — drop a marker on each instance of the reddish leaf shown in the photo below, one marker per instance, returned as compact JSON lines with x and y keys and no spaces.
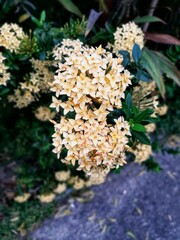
{"x":162,"y":38}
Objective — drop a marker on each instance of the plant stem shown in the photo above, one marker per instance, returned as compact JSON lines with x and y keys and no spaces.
{"x":151,"y":12}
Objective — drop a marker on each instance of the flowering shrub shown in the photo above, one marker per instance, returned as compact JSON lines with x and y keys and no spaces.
{"x":102,"y":103}
{"x":91,"y":86}
{"x":93,"y":106}
{"x":11,"y":36}
{"x":125,"y":37}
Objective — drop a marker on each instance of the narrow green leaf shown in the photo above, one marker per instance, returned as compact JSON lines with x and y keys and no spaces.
{"x":138,"y":127}
{"x":102,"y":6}
{"x":157,"y":65}
{"x":135,"y":111}
{"x":153,"y":67}
{"x":4,"y":91}
{"x":149,"y":19}
{"x":43,"y":17}
{"x":143,"y":115}
{"x":23,"y":17}
{"x":141,"y":136}
{"x":145,"y":77}
{"x":131,"y":121}
{"x":168,"y":68}
{"x":71,"y":7}
{"x":36,"y":21}
{"x":129,"y":102}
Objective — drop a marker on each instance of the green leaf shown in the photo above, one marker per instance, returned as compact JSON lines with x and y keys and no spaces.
{"x":36,"y":21}
{"x":143,"y":115}
{"x":4,"y":91}
{"x":146,"y":19}
{"x":102,"y":6}
{"x":129,"y":101}
{"x":138,"y":127}
{"x":126,"y":110}
{"x":144,"y":77}
{"x":168,"y":68}
{"x":42,"y":17}
{"x":131,"y":121}
{"x":157,"y":65}
{"x":136,"y":53}
{"x":153,"y":67}
{"x":71,"y":7}
{"x":141,"y":136}
{"x":135,"y":111}
{"x":151,"y":165}
{"x":126,"y":57}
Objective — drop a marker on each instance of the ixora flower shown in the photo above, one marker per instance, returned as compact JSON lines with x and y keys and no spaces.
{"x":46,"y":198}
{"x":22,"y":198}
{"x":11,"y":36}
{"x":141,"y":151}
{"x":61,"y":187}
{"x":162,"y":110}
{"x":125,"y":37}
{"x":94,"y":83}
{"x":4,"y":75}
{"x":62,"y":176}
{"x":33,"y":86}
{"x":44,"y":114}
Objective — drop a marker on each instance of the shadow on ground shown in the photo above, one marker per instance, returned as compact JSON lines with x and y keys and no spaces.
{"x":133,"y":205}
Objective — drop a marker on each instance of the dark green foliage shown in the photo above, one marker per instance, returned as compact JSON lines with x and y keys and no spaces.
{"x":136,"y":53}
{"x":151,"y":165}
{"x":126,"y":57}
{"x":141,"y":137}
{"x":138,"y":127}
{"x":143,"y":116}
{"x":17,"y":218}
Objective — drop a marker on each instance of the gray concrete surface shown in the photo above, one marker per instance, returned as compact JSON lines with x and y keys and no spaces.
{"x":133,"y":205}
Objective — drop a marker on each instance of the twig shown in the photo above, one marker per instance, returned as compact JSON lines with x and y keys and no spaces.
{"x":151,"y":12}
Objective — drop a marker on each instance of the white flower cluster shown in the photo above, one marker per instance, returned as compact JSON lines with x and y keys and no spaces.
{"x":141,"y":151}
{"x":94,"y":82}
{"x":145,"y":95}
{"x":4,"y":75}
{"x":37,"y":83}
{"x":11,"y":36}
{"x":44,"y":114}
{"x":125,"y":37}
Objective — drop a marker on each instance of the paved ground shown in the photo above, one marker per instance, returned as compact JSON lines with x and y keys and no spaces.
{"x":133,"y":205}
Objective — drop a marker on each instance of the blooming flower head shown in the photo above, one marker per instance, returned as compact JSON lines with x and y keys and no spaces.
{"x":126,"y":36}
{"x":145,"y":96}
{"x":94,"y":83}
{"x":34,"y":85}
{"x":21,"y":98}
{"x":11,"y":36}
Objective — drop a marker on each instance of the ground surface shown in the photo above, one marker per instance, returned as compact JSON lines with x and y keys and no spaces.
{"x":135,"y":204}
